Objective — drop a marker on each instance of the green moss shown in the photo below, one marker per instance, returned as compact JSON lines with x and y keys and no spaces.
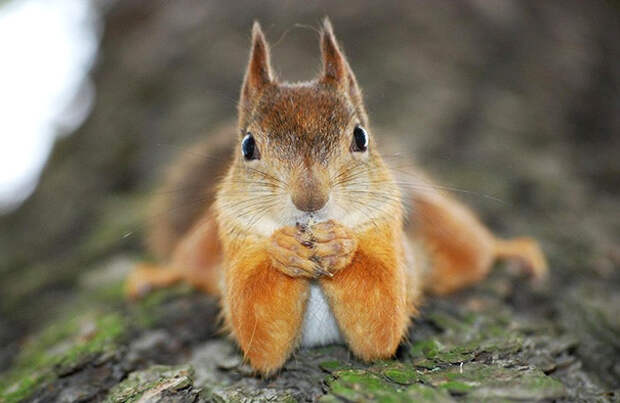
{"x":110,"y":293}
{"x":33,"y":365}
{"x":403,"y":375}
{"x":20,"y":384}
{"x":327,"y":351}
{"x":330,"y":399}
{"x":448,"y":322}
{"x":456,"y":387}
{"x":493,"y":381}
{"x":426,"y":364}
{"x":397,"y":382}
{"x":361,"y":378}
{"x":62,"y":345}
{"x":423,"y":393}
{"x":425,"y":349}
{"x":108,"y":330}
{"x":361,"y":385}
{"x":431,"y":353}
{"x":331,"y":366}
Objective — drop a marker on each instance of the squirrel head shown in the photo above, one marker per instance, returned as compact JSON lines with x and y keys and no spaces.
{"x":305,"y":152}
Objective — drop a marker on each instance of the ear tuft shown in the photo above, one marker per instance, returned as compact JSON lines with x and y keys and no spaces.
{"x":256,"y":29}
{"x":336,"y":69}
{"x":258,"y":73}
{"x":334,"y":63}
{"x":327,"y":25}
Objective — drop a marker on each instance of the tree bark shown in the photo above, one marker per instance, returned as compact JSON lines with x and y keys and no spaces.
{"x":514,"y":101}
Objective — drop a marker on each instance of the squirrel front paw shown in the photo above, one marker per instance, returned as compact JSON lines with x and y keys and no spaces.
{"x":292,"y":254}
{"x":333,"y":245}
{"x":312,"y":251}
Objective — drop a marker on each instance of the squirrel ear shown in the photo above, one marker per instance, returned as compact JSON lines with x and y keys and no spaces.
{"x":336,"y":69}
{"x":335,"y":66}
{"x":258,"y":74}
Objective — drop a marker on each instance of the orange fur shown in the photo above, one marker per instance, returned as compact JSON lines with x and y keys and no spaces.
{"x":369,"y":297}
{"x":263,"y":308}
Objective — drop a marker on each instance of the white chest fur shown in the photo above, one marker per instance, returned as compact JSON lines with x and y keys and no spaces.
{"x":319,"y":327}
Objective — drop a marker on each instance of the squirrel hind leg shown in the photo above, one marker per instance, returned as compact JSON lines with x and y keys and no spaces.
{"x":195,"y":260}
{"x":457,"y":265}
{"x":146,"y":278}
{"x":526,"y":252}
{"x":460,"y":249}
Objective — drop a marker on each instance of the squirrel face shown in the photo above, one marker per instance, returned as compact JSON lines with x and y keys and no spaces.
{"x":305,"y":150}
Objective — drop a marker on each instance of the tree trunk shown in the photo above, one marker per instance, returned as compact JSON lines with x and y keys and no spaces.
{"x":515,"y":102}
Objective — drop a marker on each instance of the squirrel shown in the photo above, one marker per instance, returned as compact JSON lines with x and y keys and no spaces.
{"x":304,"y":233}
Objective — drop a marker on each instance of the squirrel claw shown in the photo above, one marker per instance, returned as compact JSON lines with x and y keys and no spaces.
{"x":323,"y":272}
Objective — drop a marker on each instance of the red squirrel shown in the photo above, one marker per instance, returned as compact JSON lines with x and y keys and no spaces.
{"x":303,"y":237}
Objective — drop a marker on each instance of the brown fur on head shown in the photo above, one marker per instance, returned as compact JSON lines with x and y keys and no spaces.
{"x":306,"y":164}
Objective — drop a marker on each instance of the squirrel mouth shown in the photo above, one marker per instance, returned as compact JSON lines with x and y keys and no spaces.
{"x":310,"y":218}
{"x":295,"y":216}
{"x":305,"y":220}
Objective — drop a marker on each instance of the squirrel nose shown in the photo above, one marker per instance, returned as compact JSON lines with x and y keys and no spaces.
{"x":310,"y":191}
{"x":309,"y":202}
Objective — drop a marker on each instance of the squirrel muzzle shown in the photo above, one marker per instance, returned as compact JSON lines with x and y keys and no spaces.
{"x":310,"y":189}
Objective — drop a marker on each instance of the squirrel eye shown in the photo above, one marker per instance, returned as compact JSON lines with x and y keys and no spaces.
{"x":360,"y":139}
{"x":248,"y":148}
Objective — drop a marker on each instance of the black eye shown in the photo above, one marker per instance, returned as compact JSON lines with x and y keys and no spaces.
{"x":360,"y":139}
{"x":248,"y":148}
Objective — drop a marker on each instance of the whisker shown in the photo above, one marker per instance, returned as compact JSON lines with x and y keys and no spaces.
{"x":408,"y":170}
{"x":268,"y":176}
{"x":415,"y":186}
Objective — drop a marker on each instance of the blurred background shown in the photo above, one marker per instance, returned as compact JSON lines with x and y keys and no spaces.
{"x":516,"y":102}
